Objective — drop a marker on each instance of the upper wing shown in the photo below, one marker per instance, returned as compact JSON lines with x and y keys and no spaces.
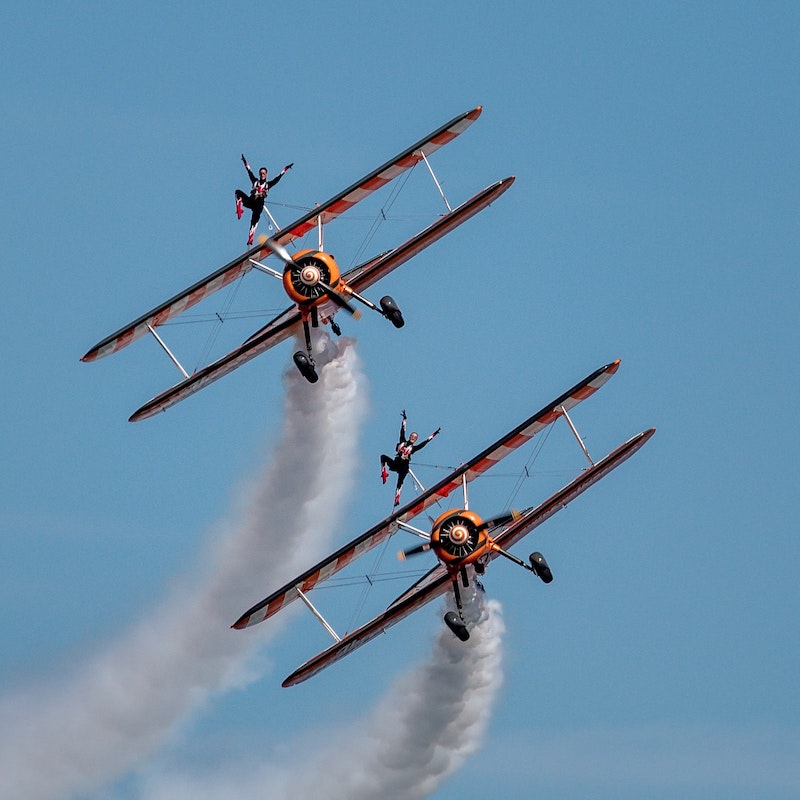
{"x":282,"y":326}
{"x":327,"y":211}
{"x":471,"y":469}
{"x":437,"y":581}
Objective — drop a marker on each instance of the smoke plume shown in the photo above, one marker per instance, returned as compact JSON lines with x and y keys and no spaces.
{"x":425,"y":727}
{"x":84,"y":730}
{"x":112,"y":715}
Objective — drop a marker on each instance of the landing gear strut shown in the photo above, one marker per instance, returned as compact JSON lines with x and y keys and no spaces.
{"x":456,"y":621}
{"x":305,"y":366}
{"x":305,"y":361}
{"x":453,"y":621}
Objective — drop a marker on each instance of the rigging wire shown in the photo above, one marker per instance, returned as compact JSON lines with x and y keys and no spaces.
{"x":217,"y":327}
{"x":526,"y":470}
{"x":380,"y":217}
{"x":370,"y":580}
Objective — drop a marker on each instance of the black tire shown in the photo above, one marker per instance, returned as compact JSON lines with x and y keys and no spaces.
{"x":540,"y":567}
{"x":306,"y":366}
{"x":453,"y":621}
{"x":391,"y":311}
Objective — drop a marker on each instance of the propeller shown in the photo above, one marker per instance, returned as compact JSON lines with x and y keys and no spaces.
{"x":413,"y":551}
{"x":500,"y":519}
{"x":279,"y":250}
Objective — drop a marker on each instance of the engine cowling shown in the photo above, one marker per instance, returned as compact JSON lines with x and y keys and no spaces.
{"x":301,"y":280}
{"x":458,"y":537}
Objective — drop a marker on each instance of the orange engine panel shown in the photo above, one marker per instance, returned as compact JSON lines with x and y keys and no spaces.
{"x":458,"y":537}
{"x":302,"y":279}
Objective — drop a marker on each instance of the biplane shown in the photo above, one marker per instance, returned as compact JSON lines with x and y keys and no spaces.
{"x":462,"y":541}
{"x":311,"y":277}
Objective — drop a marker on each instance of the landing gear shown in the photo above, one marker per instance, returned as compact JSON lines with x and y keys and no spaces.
{"x":305,"y":361}
{"x":306,"y":367}
{"x":454,"y":622}
{"x":540,"y":567}
{"x":391,"y":311}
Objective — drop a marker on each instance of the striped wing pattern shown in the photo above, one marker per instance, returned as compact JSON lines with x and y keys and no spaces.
{"x":174,"y":306}
{"x":471,"y":469}
{"x":327,"y":211}
{"x":437,"y":582}
{"x":282,"y":327}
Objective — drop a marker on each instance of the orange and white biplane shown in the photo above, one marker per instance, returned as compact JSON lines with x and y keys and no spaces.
{"x":311,"y":277}
{"x":461,"y":540}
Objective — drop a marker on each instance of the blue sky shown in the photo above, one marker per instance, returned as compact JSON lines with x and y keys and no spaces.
{"x":655,"y":218}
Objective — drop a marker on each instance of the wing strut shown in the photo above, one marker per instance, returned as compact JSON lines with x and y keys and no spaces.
{"x":313,"y":610}
{"x":576,"y":434}
{"x":167,"y":350}
{"x":435,"y":180}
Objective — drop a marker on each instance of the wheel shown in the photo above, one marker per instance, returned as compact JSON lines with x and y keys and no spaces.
{"x":453,"y":621}
{"x":540,"y":567}
{"x":392,"y":312}
{"x":306,"y":366}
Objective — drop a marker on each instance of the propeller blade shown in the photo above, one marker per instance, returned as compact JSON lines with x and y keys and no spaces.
{"x":338,"y":299}
{"x":280,"y":251}
{"x":501,"y":519}
{"x":413,"y":551}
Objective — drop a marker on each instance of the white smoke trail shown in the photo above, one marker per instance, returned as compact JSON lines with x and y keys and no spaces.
{"x":80,"y":732}
{"x":426,"y":726}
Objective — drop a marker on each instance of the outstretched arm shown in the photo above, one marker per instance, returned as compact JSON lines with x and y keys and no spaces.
{"x":422,"y":444}
{"x":271,"y":183}
{"x":249,"y":171}
{"x":403,"y":426}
